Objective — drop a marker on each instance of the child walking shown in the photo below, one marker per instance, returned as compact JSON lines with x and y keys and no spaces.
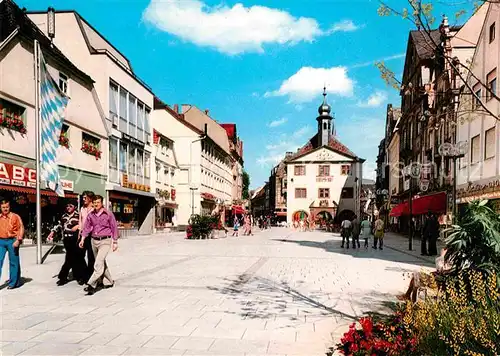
{"x":236,"y":226}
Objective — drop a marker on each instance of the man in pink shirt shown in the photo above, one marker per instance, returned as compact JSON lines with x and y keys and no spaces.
{"x":84,"y":212}
{"x":101,"y":227}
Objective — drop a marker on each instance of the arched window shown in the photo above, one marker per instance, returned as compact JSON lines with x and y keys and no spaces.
{"x":324,"y":126}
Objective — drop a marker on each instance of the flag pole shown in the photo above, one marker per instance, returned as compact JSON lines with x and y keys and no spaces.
{"x":37,"y":153}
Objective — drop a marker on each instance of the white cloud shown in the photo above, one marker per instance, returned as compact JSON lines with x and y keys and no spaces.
{"x":344,"y":26}
{"x":374,"y":100}
{"x":307,"y":84}
{"x":385,"y":59}
{"x":302,"y":132}
{"x":230,"y":30}
{"x":278,"y":122}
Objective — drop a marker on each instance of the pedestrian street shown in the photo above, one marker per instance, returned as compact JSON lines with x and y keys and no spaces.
{"x":279,"y":292}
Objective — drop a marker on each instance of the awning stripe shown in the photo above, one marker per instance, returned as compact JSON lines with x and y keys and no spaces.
{"x":25,"y":190}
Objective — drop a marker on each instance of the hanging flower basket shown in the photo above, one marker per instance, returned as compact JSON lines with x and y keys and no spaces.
{"x":64,"y":141}
{"x":91,"y":149}
{"x":12,"y":123}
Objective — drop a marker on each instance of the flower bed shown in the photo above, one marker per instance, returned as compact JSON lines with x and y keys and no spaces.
{"x":12,"y":123}
{"x":91,"y":149}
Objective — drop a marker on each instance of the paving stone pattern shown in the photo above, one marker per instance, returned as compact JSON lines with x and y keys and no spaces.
{"x":279,"y":292}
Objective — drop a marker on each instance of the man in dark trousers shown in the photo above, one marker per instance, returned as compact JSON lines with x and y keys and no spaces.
{"x":84,"y":212}
{"x":430,"y":235}
{"x":74,"y":259}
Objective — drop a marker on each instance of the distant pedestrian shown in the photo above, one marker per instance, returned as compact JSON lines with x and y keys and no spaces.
{"x":431,"y":231}
{"x":366,"y":230}
{"x":345,"y":231}
{"x":236,"y":226}
{"x":102,"y":229}
{"x":11,"y":237}
{"x":75,"y":258}
{"x":355,"y":232}
{"x":378,"y":234}
{"x":87,"y":250}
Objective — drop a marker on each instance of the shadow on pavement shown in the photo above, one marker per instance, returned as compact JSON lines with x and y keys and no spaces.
{"x":388,"y":254}
{"x":24,"y":280}
{"x":262,"y":298}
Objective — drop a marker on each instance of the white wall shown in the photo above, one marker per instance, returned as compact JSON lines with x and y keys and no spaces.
{"x":82,"y":115}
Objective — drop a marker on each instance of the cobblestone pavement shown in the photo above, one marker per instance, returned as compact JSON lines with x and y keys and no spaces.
{"x":276,"y":293}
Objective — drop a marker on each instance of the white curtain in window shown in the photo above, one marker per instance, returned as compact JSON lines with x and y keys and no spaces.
{"x":132,"y":115}
{"x":146,"y":125}
{"x":140,"y":163}
{"x":131,"y":161}
{"x":123,"y":104}
{"x":147,"y":165}
{"x":123,"y":157}
{"x":113,"y":98}
{"x":140,"y":121}
{"x":113,"y":153}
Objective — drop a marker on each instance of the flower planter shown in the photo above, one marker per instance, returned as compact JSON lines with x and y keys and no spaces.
{"x":92,"y":150}
{"x":12,"y":123}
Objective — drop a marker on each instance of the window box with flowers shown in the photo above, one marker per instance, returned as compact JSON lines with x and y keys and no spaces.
{"x":12,"y":116}
{"x":64,"y":138}
{"x":91,"y":145}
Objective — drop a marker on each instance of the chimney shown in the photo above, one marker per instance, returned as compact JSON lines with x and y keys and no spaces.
{"x":206,"y":111}
{"x":288,"y":154}
{"x":176,"y":108}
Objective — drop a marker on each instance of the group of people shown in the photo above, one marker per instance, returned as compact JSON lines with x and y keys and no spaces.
{"x":352,"y":230}
{"x":247,"y":221}
{"x":304,"y":224}
{"x":88,"y":237}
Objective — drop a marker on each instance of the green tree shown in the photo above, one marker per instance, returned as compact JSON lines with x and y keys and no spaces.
{"x":246,"y":185}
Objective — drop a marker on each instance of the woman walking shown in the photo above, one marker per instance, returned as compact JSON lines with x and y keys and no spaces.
{"x":366,"y":230}
{"x":236,"y":226}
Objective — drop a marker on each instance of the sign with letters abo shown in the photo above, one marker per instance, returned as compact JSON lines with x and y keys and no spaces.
{"x":11,"y":174}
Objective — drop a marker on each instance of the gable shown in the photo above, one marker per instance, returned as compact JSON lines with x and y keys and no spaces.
{"x":322,"y":154}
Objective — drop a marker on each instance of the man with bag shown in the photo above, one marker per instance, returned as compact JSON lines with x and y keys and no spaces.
{"x":101,"y":227}
{"x":378,"y":234}
{"x":11,"y":237}
{"x":75,"y":258}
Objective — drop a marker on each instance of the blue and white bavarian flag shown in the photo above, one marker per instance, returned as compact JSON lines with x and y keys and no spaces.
{"x":53,"y":104}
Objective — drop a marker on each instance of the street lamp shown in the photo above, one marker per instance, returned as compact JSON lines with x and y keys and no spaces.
{"x":411,"y":171}
{"x":454,"y":152}
{"x":51,"y":23}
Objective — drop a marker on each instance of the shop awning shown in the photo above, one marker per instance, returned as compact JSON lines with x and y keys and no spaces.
{"x":25,"y":190}
{"x":435,"y":203}
{"x":281,"y":213}
{"x":421,"y":205}
{"x":237,"y":209}
{"x":400,"y":209}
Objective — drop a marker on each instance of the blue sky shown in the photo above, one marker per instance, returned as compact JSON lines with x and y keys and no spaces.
{"x":261,"y":64}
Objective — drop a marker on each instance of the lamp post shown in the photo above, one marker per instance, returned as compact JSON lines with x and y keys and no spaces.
{"x":454,"y":152}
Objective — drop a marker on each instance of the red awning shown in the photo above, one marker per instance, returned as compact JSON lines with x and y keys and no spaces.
{"x":25,"y":190}
{"x":238,"y":209}
{"x":435,"y":203}
{"x":400,"y":209}
{"x":421,"y":205}
{"x":281,"y":213}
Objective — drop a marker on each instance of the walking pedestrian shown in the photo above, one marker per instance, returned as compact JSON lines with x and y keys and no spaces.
{"x":345,"y":232}
{"x":11,"y":237}
{"x":236,"y":226}
{"x":102,"y":229}
{"x":366,"y":230}
{"x":433,"y":235}
{"x":87,"y":249}
{"x":378,"y":234}
{"x":75,"y":257}
{"x":355,"y":232}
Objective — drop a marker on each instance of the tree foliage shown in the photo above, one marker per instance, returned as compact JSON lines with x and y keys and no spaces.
{"x":246,"y":185}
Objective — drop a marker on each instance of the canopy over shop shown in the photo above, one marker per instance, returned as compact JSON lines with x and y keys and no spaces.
{"x":421,"y":205}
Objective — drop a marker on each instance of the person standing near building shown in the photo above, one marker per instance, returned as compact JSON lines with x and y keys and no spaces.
{"x":433,"y":234}
{"x":101,"y":228}
{"x":11,"y":237}
{"x":366,"y":230}
{"x":345,"y":232}
{"x":84,"y":212}
{"x":355,"y":232}
{"x":378,"y":234}
{"x":75,"y":258}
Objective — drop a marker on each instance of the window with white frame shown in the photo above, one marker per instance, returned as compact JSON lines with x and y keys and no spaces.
{"x":475,"y":154}
{"x":131,"y":162}
{"x":113,"y":153}
{"x":123,"y":157}
{"x":165,"y":175}
{"x":491,"y":79}
{"x":147,"y":136}
{"x":113,"y":104}
{"x":140,"y":163}
{"x":63,"y":82}
{"x":489,"y":143}
{"x":147,"y":165}
{"x":132,"y":115}
{"x":159,"y":172}
{"x":123,"y":110}
{"x":140,"y":121}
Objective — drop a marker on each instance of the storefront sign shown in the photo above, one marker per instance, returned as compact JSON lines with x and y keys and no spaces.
{"x":68,"y":185}
{"x":324,"y":179}
{"x":478,"y":189}
{"x":16,"y":175}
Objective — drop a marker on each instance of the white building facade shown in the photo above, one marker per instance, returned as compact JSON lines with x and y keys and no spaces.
{"x":478,"y":175}
{"x":80,"y":167}
{"x":324,"y":177}
{"x":126,"y":104}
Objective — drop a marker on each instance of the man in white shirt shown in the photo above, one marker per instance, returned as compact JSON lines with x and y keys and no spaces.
{"x":345,"y":231}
